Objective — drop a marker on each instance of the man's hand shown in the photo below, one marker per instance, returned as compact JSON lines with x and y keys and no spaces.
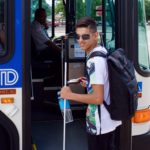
{"x":51,"y":45}
{"x":65,"y":92}
{"x":83,"y":81}
{"x":46,"y":25}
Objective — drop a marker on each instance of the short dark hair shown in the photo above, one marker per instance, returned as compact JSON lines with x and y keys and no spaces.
{"x":38,"y":12}
{"x":87,"y":22}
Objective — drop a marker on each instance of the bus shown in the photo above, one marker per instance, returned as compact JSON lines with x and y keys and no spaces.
{"x":30,"y":117}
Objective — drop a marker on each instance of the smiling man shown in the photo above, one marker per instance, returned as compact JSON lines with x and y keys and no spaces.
{"x":100,"y":127}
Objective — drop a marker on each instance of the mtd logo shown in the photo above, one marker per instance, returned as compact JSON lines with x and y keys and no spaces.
{"x":8,"y":77}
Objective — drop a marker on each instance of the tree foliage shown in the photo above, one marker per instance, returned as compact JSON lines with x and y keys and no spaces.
{"x":47,"y":8}
{"x":147,"y":8}
{"x":60,"y":7}
{"x":82,"y":7}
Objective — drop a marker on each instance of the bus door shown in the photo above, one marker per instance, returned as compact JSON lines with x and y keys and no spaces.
{"x":46,"y":117}
{"x":141,"y":125}
{"x":124,"y":25}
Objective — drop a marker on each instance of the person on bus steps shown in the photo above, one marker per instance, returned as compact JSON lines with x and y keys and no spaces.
{"x":45,"y":49}
{"x":100,"y":127}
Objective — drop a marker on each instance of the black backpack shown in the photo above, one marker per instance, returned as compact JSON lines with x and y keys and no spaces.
{"x":123,"y":84}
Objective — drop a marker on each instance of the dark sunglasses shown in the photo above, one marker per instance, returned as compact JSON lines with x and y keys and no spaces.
{"x":83,"y":36}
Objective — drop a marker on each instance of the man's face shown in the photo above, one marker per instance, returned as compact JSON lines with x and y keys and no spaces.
{"x":42,"y":17}
{"x":86,"y":38}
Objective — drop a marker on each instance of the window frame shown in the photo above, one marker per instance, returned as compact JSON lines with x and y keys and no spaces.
{"x":143,"y":73}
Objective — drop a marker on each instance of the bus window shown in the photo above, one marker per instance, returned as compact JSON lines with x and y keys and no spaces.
{"x":110,"y":24}
{"x":34,"y":6}
{"x":88,"y":8}
{"x":6,"y":30}
{"x":55,"y":11}
{"x":60,"y":19}
{"x":47,"y":5}
{"x":80,"y":9}
{"x":143,"y":52}
{"x":92,"y":8}
{"x":2,"y":29}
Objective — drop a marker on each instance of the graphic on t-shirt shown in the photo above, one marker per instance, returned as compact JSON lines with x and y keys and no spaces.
{"x":91,"y":69}
{"x":91,"y":110}
{"x":90,"y":119}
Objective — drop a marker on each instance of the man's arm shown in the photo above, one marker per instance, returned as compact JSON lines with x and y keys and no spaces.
{"x":38,"y":34}
{"x":94,"y":98}
{"x":51,"y":45}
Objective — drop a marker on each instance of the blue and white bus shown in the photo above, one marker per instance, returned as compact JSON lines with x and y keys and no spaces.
{"x":29,"y":112}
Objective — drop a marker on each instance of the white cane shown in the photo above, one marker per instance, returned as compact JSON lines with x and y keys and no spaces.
{"x":64,"y":124}
{"x":65,"y":83}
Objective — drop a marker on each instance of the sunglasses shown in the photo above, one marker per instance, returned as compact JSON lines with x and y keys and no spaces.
{"x":83,"y":36}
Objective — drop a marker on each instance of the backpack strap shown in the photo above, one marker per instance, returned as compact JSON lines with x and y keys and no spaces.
{"x":97,"y":53}
{"x":99,"y":113}
{"x":100,"y":54}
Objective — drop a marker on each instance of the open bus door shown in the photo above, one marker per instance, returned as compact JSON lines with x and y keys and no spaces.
{"x":46,"y":116}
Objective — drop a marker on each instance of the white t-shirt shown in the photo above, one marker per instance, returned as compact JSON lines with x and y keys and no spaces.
{"x":98,"y":74}
{"x":39,"y":35}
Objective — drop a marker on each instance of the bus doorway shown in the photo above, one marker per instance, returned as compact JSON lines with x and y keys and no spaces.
{"x":46,"y":117}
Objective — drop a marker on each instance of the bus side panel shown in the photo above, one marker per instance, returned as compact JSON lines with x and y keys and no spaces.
{"x":11,"y":77}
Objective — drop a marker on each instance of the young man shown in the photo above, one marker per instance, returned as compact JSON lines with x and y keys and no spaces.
{"x":100,"y":127}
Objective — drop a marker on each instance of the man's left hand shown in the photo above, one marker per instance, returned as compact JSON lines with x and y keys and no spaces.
{"x":65,"y":92}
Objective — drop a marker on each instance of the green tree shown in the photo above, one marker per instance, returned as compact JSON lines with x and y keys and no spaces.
{"x":34,"y":6}
{"x":59,"y":8}
{"x":80,"y":9}
{"x":147,"y":9}
{"x":47,"y":7}
{"x":84,"y":6}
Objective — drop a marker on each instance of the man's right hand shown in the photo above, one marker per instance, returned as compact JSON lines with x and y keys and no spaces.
{"x":83,"y":81}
